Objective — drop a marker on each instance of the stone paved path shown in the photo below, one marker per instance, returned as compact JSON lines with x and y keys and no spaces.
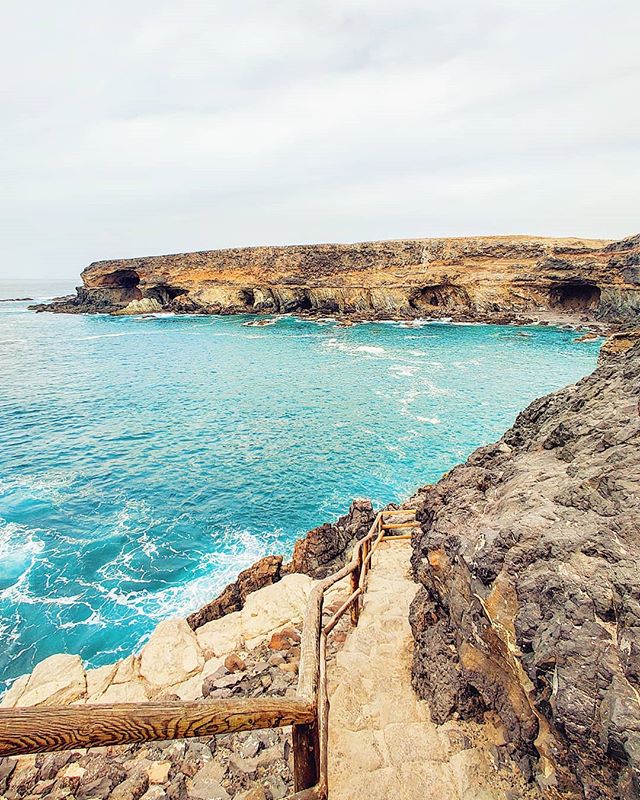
{"x":382,"y":743}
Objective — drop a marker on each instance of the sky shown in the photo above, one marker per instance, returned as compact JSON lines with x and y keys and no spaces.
{"x":146,"y":126}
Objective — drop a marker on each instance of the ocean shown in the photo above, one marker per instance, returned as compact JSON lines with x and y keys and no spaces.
{"x":144,"y":461}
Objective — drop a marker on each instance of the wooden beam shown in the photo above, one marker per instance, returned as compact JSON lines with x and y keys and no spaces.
{"x":37,"y":730}
{"x":391,"y":526}
{"x":306,"y":756}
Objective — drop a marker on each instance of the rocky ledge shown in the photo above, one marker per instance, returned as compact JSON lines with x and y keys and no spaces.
{"x":480,"y":278}
{"x":530,"y":601}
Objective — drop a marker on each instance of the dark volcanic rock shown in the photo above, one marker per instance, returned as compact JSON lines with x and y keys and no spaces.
{"x":322,"y":550}
{"x":530,"y":600}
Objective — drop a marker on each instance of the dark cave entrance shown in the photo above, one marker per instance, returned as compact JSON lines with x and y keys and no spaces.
{"x":574,"y":295}
{"x":123,"y":284}
{"x":442,"y":295}
{"x":164,"y":293}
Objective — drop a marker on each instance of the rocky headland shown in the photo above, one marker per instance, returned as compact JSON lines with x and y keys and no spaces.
{"x":501,"y":279}
{"x":530,"y":602}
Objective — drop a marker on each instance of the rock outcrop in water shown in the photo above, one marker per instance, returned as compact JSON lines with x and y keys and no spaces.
{"x":478,"y":277}
{"x":528,"y":558}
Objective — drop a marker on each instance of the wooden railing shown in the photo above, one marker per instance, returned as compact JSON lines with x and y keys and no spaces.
{"x":36,"y":730}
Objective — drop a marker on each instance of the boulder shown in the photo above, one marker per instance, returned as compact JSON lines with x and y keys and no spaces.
{"x":221,"y":636}
{"x":275,"y":607}
{"x":99,"y":679}
{"x":262,"y":573}
{"x":132,"y":692}
{"x":57,"y":680}
{"x":171,"y":655}
{"x":14,"y":693}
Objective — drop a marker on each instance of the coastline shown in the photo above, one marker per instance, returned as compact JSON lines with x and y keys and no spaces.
{"x":246,"y":641}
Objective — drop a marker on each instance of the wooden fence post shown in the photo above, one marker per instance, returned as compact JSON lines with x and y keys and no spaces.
{"x":306,"y":756}
{"x":355,"y":582}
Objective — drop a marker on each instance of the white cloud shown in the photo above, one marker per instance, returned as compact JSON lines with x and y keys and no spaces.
{"x":143,"y":127}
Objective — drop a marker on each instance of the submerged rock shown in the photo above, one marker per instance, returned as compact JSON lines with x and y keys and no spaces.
{"x":530,"y":602}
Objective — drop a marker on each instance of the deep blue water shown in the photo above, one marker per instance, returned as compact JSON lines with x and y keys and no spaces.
{"x":144,"y":461}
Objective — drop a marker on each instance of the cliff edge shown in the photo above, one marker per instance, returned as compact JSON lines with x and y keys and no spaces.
{"x":471,"y":277}
{"x":530,"y":602}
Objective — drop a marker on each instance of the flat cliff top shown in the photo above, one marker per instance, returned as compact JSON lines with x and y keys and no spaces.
{"x":516,"y":241}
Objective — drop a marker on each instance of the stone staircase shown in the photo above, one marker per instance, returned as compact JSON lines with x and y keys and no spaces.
{"x":382,"y":743}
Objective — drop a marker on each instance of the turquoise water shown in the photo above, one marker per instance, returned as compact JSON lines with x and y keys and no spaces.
{"x":144,"y":461}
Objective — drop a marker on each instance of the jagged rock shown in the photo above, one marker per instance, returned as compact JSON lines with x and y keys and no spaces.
{"x":262,"y":573}
{"x":528,"y":558}
{"x":171,"y":655}
{"x":206,"y":783}
{"x":322,"y":551}
{"x":147,"y":305}
{"x":131,"y":789}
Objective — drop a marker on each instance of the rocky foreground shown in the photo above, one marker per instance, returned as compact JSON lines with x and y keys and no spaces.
{"x":245,"y":643}
{"x":528,"y":559}
{"x":482,"y":278}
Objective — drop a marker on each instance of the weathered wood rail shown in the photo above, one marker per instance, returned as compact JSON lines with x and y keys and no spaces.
{"x":41,"y":729}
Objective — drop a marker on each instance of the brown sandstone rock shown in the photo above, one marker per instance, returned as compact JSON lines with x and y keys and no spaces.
{"x":481,"y":277}
{"x":260,"y":574}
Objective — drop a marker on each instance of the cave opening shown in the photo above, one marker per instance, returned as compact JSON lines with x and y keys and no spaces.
{"x":304,"y":302}
{"x":248,"y":297}
{"x":122,"y":285}
{"x":574,"y":295}
{"x":164,"y":293}
{"x":442,"y":295}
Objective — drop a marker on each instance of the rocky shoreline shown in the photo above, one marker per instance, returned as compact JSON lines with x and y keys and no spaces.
{"x":244,"y":643}
{"x":529,"y":608}
{"x":483,"y":279}
{"x":527,"y":622}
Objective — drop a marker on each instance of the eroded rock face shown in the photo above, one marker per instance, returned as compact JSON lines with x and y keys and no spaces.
{"x":530,"y":601}
{"x":476,"y":277}
{"x":322,"y":550}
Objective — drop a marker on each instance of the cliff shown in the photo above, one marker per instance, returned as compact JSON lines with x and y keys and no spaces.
{"x":530,"y":602}
{"x":474,"y":277}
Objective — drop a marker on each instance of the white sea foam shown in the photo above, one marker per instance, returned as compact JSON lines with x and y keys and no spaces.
{"x":19,"y":547}
{"x":353,"y":349}
{"x":404,"y":370}
{"x":429,"y":420}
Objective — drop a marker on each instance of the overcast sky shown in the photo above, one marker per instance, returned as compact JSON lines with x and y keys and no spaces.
{"x":147,"y":126}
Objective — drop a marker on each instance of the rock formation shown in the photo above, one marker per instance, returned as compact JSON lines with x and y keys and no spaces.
{"x":320,"y":552}
{"x":473,"y":277}
{"x":530,"y":602}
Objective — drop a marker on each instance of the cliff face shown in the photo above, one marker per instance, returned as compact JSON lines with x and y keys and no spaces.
{"x":416,"y":277}
{"x":530,"y":602}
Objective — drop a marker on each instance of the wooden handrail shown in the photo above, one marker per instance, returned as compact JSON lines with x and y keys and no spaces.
{"x":39,"y":729}
{"x":36,"y":730}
